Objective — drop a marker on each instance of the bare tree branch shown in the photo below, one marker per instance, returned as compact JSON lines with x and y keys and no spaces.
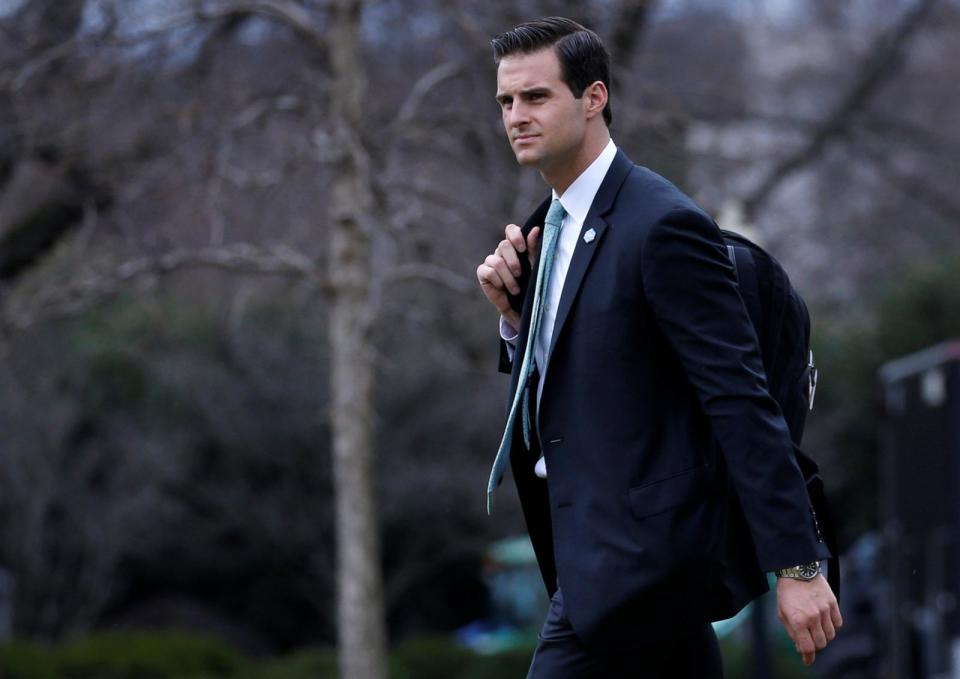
{"x":881,"y":64}
{"x":913,"y":187}
{"x":288,"y":12}
{"x":630,"y":28}
{"x":474,"y":32}
{"x":431,"y":272}
{"x":427,"y":82}
{"x":917,"y":137}
{"x":260,"y":108}
{"x":41,"y":62}
{"x":16,"y":81}
{"x":89,"y":288}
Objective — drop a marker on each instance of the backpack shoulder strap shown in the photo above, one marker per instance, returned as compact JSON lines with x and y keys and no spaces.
{"x":746,"y":270}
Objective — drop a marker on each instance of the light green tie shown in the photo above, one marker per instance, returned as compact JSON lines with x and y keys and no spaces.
{"x":551,"y":232}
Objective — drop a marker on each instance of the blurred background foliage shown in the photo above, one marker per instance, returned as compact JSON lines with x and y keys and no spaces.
{"x":916,"y":307}
{"x":161,"y":655}
{"x":164,"y":368}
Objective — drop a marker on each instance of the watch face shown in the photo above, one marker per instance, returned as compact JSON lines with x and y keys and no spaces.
{"x":809,"y":571}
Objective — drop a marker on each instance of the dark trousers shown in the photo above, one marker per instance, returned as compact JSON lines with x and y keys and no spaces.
{"x":561,"y":655}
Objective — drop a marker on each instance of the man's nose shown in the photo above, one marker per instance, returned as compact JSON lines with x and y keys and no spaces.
{"x":518,"y":115}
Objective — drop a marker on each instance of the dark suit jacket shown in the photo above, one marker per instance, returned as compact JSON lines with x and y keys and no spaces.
{"x":672,"y":487}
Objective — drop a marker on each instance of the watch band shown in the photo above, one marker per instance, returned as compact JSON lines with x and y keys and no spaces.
{"x":806,"y":571}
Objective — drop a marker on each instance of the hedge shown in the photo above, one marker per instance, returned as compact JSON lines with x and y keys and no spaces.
{"x":123,"y":655}
{"x":162,"y":655}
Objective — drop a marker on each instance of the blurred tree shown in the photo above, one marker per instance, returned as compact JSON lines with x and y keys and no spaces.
{"x":361,"y":619}
{"x":918,"y":307}
{"x":184,"y":156}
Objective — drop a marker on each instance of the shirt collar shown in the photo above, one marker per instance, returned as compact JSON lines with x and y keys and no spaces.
{"x":578,"y":197}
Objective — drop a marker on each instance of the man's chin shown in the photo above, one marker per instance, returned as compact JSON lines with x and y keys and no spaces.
{"x":527,"y":158}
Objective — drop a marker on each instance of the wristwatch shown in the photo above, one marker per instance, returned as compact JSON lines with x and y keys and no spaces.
{"x":805,"y":571}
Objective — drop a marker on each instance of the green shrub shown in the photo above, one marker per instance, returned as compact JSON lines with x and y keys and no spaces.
{"x":444,"y":658}
{"x":318,"y":663}
{"x":785,"y":662}
{"x":154,"y":655}
{"x":163,"y":655}
{"x":430,"y":658}
{"x":504,"y":665}
{"x":27,"y":660}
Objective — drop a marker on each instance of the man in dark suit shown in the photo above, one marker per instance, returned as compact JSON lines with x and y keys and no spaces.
{"x":656,"y":477}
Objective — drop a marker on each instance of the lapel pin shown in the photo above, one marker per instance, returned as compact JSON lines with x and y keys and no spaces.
{"x":589,"y":236}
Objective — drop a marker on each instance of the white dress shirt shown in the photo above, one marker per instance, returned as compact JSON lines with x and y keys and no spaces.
{"x":576,"y":201}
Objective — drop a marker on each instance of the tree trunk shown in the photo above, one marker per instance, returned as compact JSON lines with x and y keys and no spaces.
{"x":360,"y":602}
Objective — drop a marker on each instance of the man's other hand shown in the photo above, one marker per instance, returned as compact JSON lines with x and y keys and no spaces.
{"x":810,"y":614}
{"x":500,"y":270}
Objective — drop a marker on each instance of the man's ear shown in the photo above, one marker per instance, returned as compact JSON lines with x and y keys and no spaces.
{"x":595,"y":96}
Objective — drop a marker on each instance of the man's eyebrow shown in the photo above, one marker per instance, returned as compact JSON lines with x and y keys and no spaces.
{"x":534,"y":90}
{"x":524,"y":93}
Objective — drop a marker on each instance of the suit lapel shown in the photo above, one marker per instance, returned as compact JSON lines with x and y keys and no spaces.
{"x":583,"y":252}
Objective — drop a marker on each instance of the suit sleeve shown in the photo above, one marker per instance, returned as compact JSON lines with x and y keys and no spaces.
{"x":690,"y":285}
{"x":507,"y":351}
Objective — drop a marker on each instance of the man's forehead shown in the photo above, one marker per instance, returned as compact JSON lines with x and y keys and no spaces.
{"x":523,"y":71}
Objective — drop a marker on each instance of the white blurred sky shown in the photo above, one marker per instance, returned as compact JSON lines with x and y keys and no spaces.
{"x":7,"y":6}
{"x":774,"y":9}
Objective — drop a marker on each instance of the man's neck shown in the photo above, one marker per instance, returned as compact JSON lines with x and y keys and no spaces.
{"x":560,"y":178}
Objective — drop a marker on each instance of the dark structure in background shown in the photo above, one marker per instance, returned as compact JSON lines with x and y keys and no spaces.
{"x":920,"y":495}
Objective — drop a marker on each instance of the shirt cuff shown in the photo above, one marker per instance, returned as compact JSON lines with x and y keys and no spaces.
{"x":508,"y":333}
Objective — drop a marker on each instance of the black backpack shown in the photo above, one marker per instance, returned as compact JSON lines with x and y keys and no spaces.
{"x":782,"y":323}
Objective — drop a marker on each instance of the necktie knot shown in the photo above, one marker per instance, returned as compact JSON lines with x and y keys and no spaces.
{"x":555,"y":214}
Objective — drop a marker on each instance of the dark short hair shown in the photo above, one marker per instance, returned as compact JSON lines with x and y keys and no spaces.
{"x":583,"y":58}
